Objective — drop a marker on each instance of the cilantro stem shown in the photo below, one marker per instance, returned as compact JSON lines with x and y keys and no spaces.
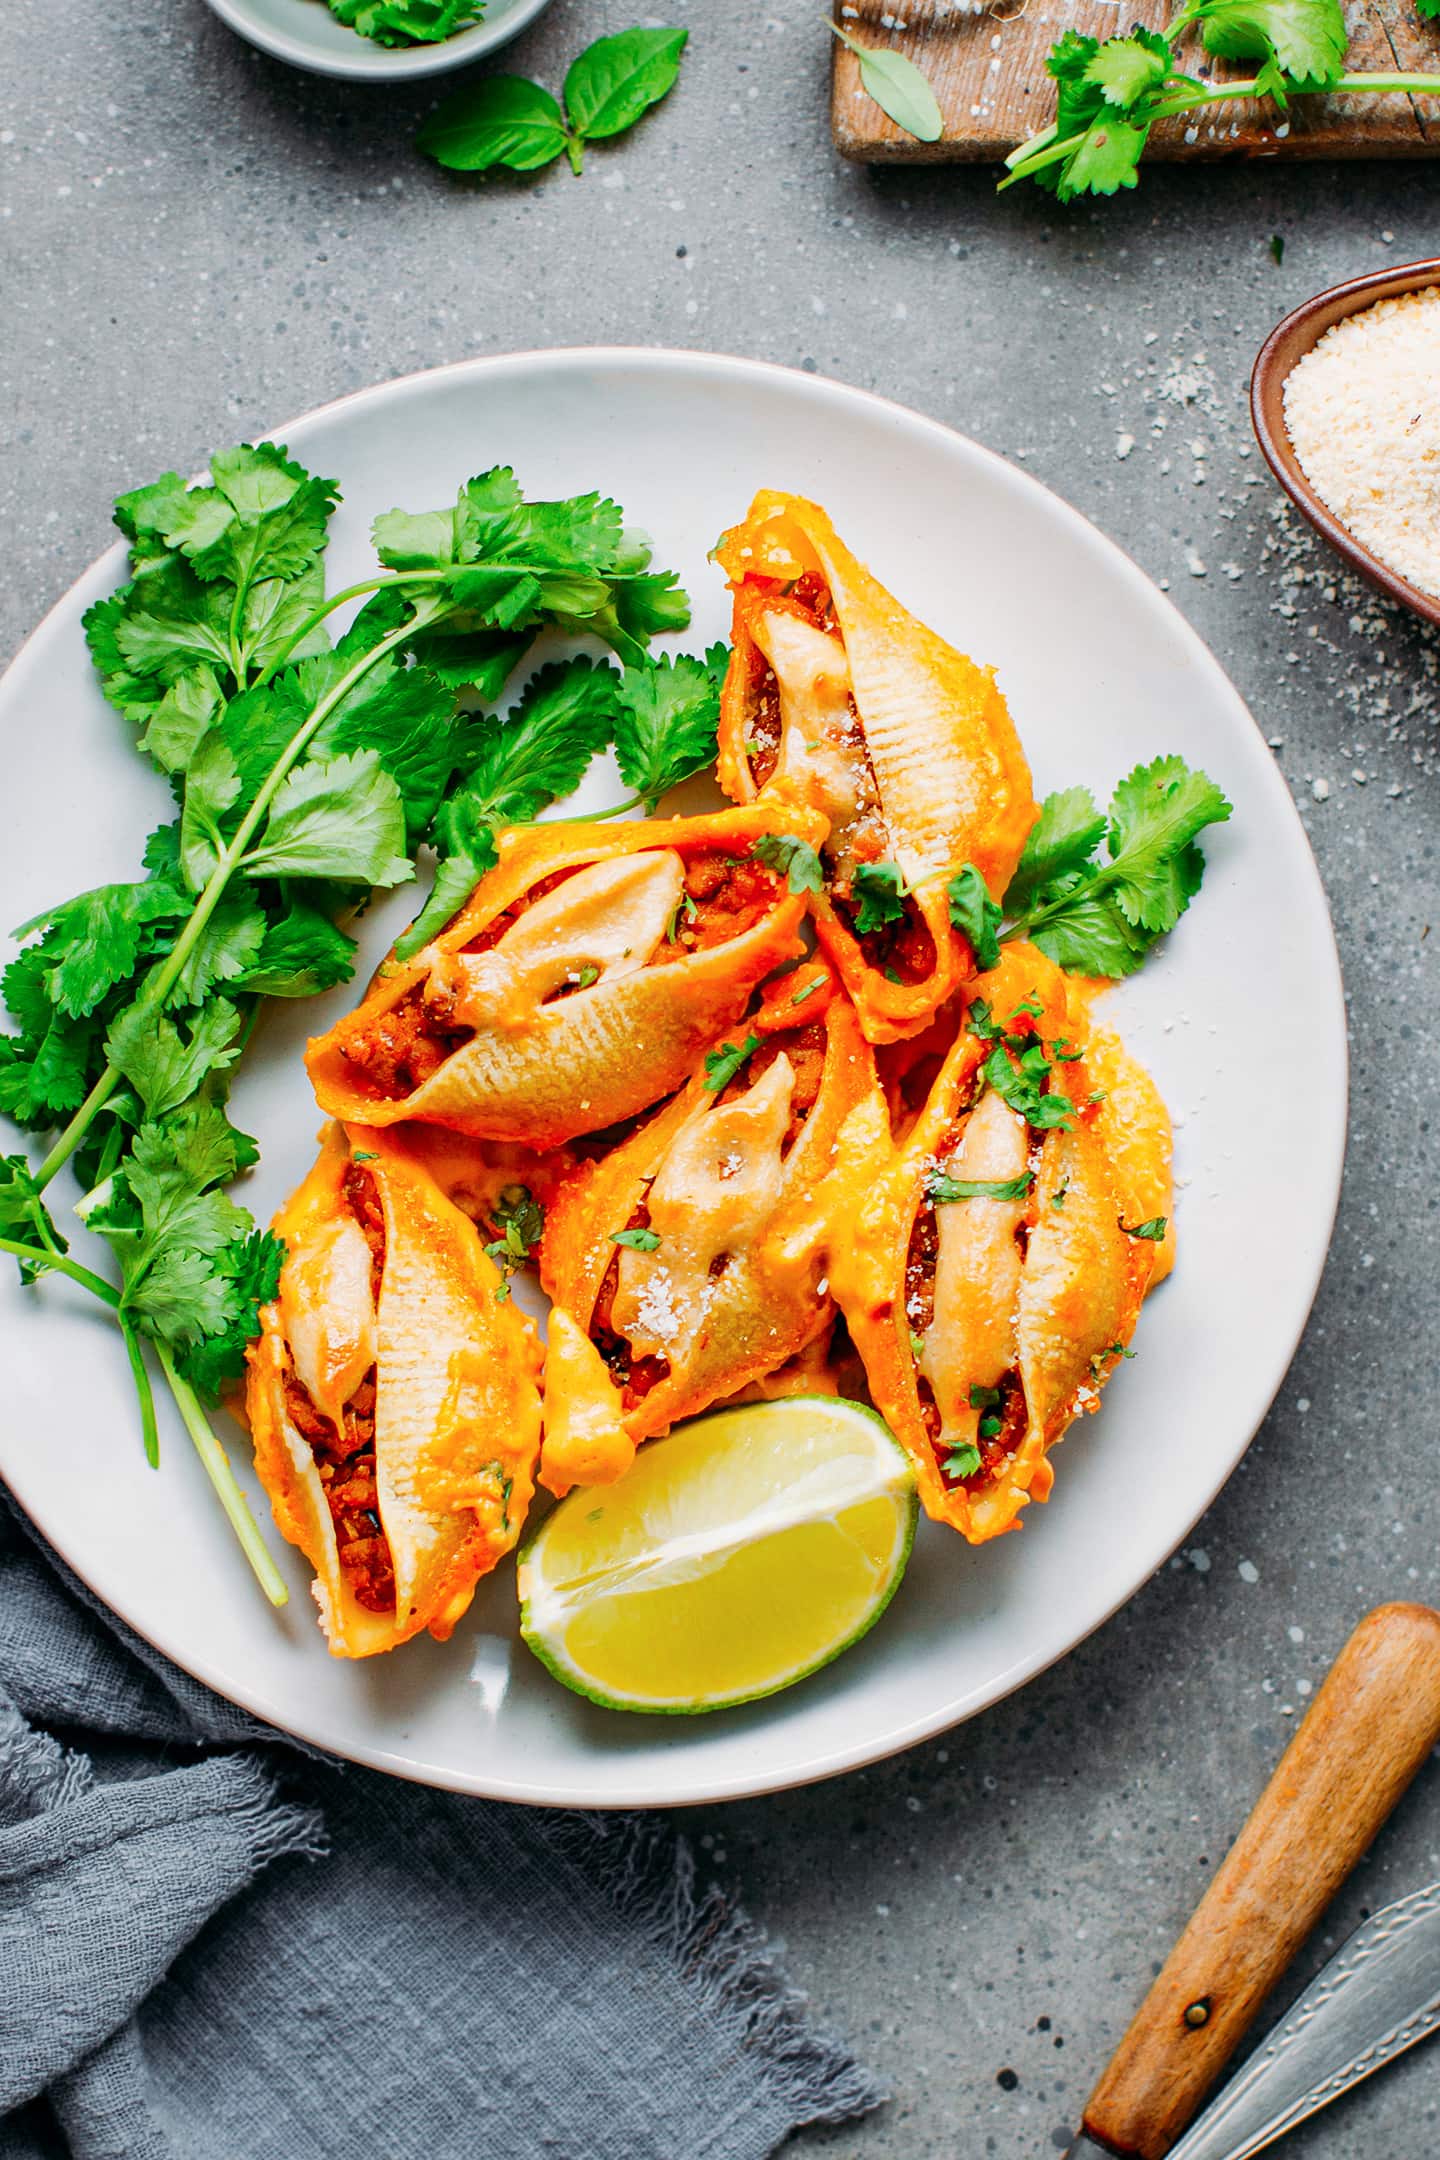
{"x":149,"y":1430}
{"x":162,"y":982}
{"x":222,"y":1477}
{"x":41,"y":1257}
{"x":1045,"y":149}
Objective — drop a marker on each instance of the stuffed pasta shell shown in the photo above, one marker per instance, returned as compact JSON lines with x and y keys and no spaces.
{"x":1001,"y":1249}
{"x":392,"y":1396}
{"x":688,"y":1263}
{"x":580,"y":983}
{"x":837,"y":699}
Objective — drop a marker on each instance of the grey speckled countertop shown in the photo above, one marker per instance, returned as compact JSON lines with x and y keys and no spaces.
{"x":197,"y":243}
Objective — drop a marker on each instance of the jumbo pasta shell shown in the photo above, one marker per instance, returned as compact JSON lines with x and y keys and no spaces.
{"x":437,"y":1449}
{"x":507,"y":1062}
{"x":734,"y":1289}
{"x":936,"y":779}
{"x":988,"y":1321}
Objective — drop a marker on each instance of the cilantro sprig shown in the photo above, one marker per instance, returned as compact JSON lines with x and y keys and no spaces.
{"x":1094,"y":914}
{"x":304,"y":776}
{"x":1111,"y":93}
{"x":509,"y":120}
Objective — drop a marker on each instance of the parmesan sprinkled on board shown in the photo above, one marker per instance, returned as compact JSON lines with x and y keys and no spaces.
{"x":1363,"y":412}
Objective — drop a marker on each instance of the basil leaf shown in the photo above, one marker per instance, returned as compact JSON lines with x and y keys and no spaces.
{"x":504,"y":120}
{"x":618,"y":78}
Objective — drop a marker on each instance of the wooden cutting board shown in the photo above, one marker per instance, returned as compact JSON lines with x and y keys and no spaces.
{"x":988,"y":73}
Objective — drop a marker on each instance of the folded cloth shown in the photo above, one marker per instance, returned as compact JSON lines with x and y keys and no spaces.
{"x":216,"y":1947}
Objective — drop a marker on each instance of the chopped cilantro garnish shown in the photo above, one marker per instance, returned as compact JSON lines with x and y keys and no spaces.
{"x":638,"y":1240}
{"x":940,"y":1187}
{"x":975,"y":915}
{"x":722,"y":1065}
{"x":881,"y":892}
{"x":799,"y":862}
{"x":1152,"y":1231}
{"x":963,"y":1461}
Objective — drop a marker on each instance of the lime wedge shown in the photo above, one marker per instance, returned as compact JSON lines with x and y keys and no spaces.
{"x":741,"y":1553}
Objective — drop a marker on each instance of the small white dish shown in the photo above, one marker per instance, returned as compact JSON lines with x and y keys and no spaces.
{"x":1240,"y":1018}
{"x":307,"y":35}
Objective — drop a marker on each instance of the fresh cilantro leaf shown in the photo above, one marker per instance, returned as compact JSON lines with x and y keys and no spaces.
{"x":901,"y":89}
{"x":24,"y":1217}
{"x":339,"y":817}
{"x":183,"y":715}
{"x":881,"y":892}
{"x":1023,"y":1087}
{"x":1102,"y":918}
{"x":1152,"y":1231}
{"x":796,"y":858}
{"x":1154,"y":817}
{"x":985,"y":1398}
{"x":516,"y":767}
{"x":963,"y":1461}
{"x":1306,"y":38}
{"x":250,"y":1269}
{"x":975,"y":915}
{"x":504,"y":120}
{"x":406,"y":716}
{"x":212,"y":791}
{"x":98,"y":938}
{"x":1063,"y":838}
{"x":722,"y":1065}
{"x":300,"y":955}
{"x":666,"y":725}
{"x":225,"y":951}
{"x":478,"y":660}
{"x":164,"y":1065}
{"x":637,"y":1240}
{"x":464,"y":840}
{"x":940,"y":1187}
{"x":1124,"y":68}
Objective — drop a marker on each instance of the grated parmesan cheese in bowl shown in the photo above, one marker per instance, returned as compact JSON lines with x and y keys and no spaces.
{"x":1362,"y":410}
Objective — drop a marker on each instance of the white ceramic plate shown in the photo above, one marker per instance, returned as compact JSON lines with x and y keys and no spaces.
{"x":305,"y":33}
{"x":1101,"y":672}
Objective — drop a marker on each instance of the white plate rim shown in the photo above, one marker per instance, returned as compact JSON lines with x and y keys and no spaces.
{"x":108,"y":569}
{"x":378,"y":63}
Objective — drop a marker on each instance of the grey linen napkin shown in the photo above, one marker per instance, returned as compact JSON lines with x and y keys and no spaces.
{"x":213,"y":1947}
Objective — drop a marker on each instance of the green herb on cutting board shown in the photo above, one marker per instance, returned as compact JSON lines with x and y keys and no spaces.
{"x":900,"y":88}
{"x":509,"y":120}
{"x":304,"y":776}
{"x":408,"y":22}
{"x":1111,"y":93}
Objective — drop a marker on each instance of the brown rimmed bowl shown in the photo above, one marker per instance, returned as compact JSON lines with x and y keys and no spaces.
{"x":1287,"y":344}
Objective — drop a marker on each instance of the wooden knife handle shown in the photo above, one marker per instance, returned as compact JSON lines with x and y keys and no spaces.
{"x":1373,"y":1723}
